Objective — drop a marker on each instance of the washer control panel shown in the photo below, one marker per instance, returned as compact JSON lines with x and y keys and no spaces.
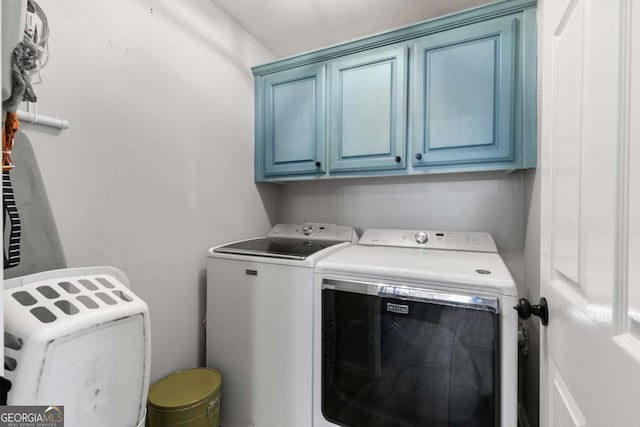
{"x":315,"y":231}
{"x":449,"y":240}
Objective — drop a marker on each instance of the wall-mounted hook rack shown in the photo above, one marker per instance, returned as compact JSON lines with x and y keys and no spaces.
{"x":39,"y":119}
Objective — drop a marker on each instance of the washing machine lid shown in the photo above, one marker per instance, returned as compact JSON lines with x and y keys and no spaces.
{"x":478,"y":271}
{"x":295,"y":249}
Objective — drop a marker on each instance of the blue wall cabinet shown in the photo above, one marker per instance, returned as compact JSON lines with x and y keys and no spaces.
{"x":367,"y":110}
{"x":463,"y":87}
{"x":452,"y":94}
{"x":293,"y":121}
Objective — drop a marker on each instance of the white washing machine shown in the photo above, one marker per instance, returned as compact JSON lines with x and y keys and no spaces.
{"x":415,"y":328}
{"x":260,"y":322}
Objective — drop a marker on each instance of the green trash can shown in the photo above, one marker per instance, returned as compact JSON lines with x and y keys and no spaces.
{"x":188,"y":398}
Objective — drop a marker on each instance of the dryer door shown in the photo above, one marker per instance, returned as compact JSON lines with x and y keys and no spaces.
{"x":397,"y":356}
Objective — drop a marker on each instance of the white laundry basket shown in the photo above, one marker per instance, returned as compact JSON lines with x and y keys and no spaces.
{"x":78,"y":338}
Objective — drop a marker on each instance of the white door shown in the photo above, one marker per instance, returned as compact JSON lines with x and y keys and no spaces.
{"x":590,"y":201}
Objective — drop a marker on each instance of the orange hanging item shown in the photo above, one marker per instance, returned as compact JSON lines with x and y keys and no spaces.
{"x":11,"y":126}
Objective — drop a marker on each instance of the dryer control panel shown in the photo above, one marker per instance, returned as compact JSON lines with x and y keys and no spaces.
{"x":315,"y":231}
{"x":426,"y":239}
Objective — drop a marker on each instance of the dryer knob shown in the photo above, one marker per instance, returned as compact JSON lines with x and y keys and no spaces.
{"x":307,"y":229}
{"x":421,"y":237}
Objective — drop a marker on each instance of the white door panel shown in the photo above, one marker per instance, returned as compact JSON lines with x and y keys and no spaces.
{"x":567,"y":137}
{"x":590,"y":204}
{"x":566,"y":411}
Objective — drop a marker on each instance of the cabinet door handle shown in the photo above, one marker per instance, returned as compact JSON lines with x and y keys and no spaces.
{"x":398,"y":159}
{"x":318,"y":164}
{"x":419,"y":156}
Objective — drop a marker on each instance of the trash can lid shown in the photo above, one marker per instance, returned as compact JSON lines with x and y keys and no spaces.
{"x":184,"y":388}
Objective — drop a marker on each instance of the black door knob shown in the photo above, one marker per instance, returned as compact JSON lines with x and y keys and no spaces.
{"x":419,"y":156}
{"x":398,"y":159}
{"x":318,"y":164}
{"x":525,"y":310}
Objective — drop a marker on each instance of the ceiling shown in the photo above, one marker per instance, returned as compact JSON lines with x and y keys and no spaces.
{"x":289,"y":27}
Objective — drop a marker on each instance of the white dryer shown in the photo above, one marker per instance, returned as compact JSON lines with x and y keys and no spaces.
{"x":260,"y":322}
{"x":415,"y":328}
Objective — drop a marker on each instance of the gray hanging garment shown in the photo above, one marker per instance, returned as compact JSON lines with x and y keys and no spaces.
{"x":40,"y":248}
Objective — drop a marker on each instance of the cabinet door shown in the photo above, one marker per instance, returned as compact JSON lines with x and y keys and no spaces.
{"x":463,"y":90}
{"x":367,"y":107}
{"x":293,"y":109}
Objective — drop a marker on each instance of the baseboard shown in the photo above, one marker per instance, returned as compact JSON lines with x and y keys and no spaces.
{"x":523,"y":421}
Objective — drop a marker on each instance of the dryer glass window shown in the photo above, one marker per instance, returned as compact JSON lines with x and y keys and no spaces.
{"x":394,"y":362}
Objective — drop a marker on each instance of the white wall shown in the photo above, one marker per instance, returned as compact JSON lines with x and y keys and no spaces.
{"x":157,"y":165}
{"x":490,"y":201}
